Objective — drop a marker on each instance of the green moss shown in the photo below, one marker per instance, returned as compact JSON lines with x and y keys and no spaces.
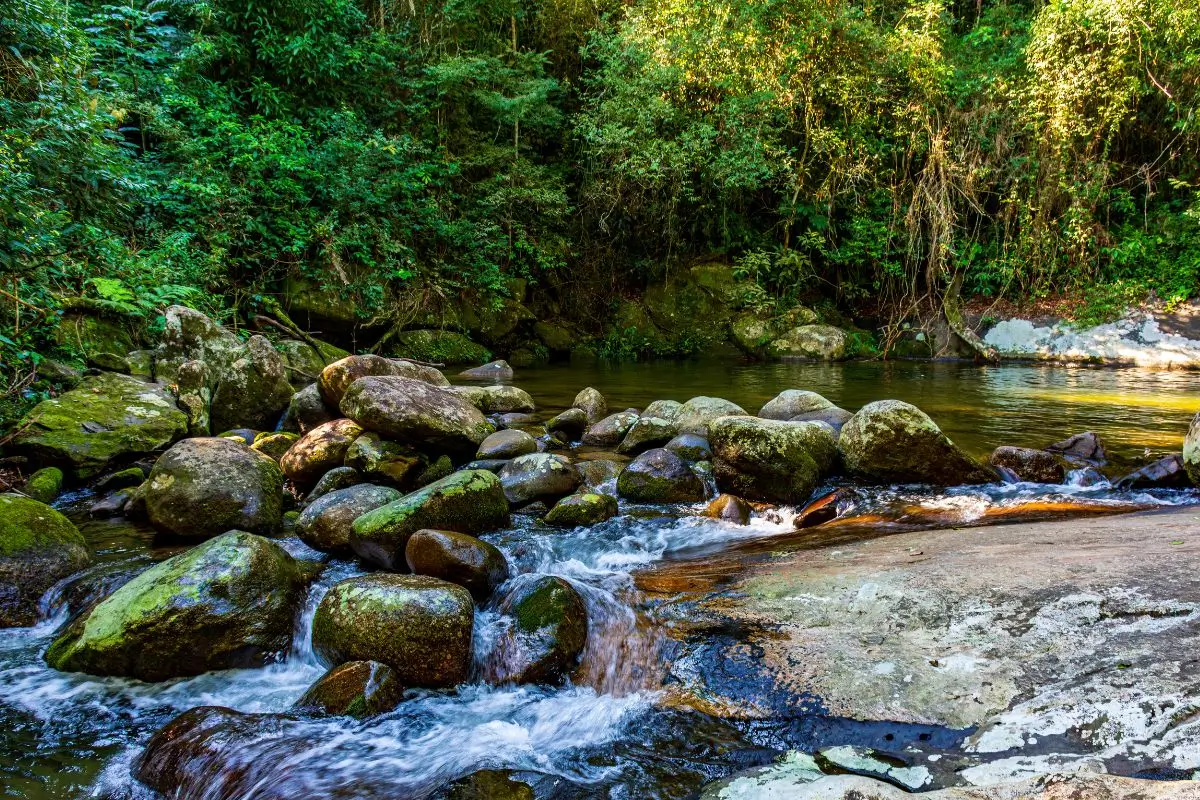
{"x":28,"y":526}
{"x":545,"y":605}
{"x":582,"y":509}
{"x":45,"y":484}
{"x":446,"y":347}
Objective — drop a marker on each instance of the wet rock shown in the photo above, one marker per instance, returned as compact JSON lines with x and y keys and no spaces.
{"x":471,"y":501}
{"x":445,"y":347}
{"x":894,"y":442}
{"x":769,"y":460}
{"x":490,"y":464}
{"x":660,"y":476}
{"x":598,"y":472}
{"x":336,"y":478}
{"x":337,"y":377}
{"x":461,"y":559}
{"x":697,"y":413}
{"x":358,"y":689}
{"x":241,"y":435}
{"x":511,"y":420}
{"x":818,"y":512}
{"x":417,"y":625}
{"x":646,"y":434}
{"x":582,"y":509}
{"x":592,"y":403}
{"x":783,"y":780}
{"x":111,"y":505}
{"x":507,"y":444}
{"x":106,"y":418}
{"x":571,"y":423}
{"x":853,"y":760}
{"x":547,"y":635}
{"x":609,"y":431}
{"x":1027,"y":464}
{"x":1082,"y":449}
{"x":386,"y":462}
{"x":1166,"y":473}
{"x":203,"y":487}
{"x":326,"y":523}
{"x":497,"y":399}
{"x":729,"y":508}
{"x":307,"y":410}
{"x":274,"y":445}
{"x":416,"y":413}
{"x":791,"y":402}
{"x":690,"y":447}
{"x":122,"y":479}
{"x":442,"y":467}
{"x":539,"y":476}
{"x":498,"y":371}
{"x":810,"y":342}
{"x":486,"y":784}
{"x":319,"y":450}
{"x":1191,"y":451}
{"x":45,"y":484}
{"x":38,"y":548}
{"x":834,"y":417}
{"x":229,"y":602}
{"x":179,"y":758}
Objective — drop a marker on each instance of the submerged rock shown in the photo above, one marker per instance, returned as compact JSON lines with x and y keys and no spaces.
{"x":326,"y":523}
{"x":852,"y":760}
{"x":792,"y":402}
{"x":609,"y":431}
{"x":498,"y":371}
{"x":181,"y":759}
{"x":357,"y":689}
{"x":729,"y":508}
{"x":38,"y":548}
{"x":474,"y":564}
{"x":539,"y":476}
{"x":486,"y":784}
{"x":507,"y":444}
{"x":229,"y":602}
{"x":1027,"y":464}
{"x":582,"y":509}
{"x":592,"y":403}
{"x":319,"y":450}
{"x":547,"y":635}
{"x":416,"y":413}
{"x":337,"y":377}
{"x":660,"y":476}
{"x":769,"y":460}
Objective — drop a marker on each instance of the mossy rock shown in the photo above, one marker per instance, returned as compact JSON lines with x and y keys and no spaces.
{"x":320,"y":308}
{"x":660,"y":476}
{"x":415,"y":413}
{"x":569,"y":425}
{"x":811,"y":343}
{"x":274,"y":445}
{"x":592,"y":403}
{"x":582,"y":509}
{"x":471,"y":501}
{"x":336,"y":378}
{"x":419,"y":626}
{"x":497,"y":399}
{"x":325,"y":524}
{"x":444,"y":347}
{"x":229,"y":602}
{"x":319,"y":450}
{"x":45,"y":484}
{"x":486,"y":784}
{"x":609,"y":431}
{"x":792,"y":402}
{"x":381,"y":461}
{"x":441,"y":467}
{"x":770,"y":460}
{"x":304,"y":362}
{"x":358,"y":689}
{"x":492,"y":321}
{"x":690,"y":447}
{"x":645,"y":434}
{"x":336,"y":478}
{"x":695,"y":415}
{"x":252,"y":390}
{"x":100,"y":338}
{"x":557,"y":338}
{"x":548,"y":632}
{"x":475,"y":565}
{"x":1191,"y":451}
{"x":38,"y":548}
{"x":539,"y":476}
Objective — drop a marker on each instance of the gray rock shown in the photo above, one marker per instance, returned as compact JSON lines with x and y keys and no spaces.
{"x":338,"y":376}
{"x":810,"y":342}
{"x":497,"y":371}
{"x":769,"y":460}
{"x":690,"y":447}
{"x":507,"y":444}
{"x":497,"y":399}
{"x":609,"y":431}
{"x":326,"y":523}
{"x":646,"y":433}
{"x":571,"y":423}
{"x":660,"y":476}
{"x":791,"y":402}
{"x":835,"y":418}
{"x":416,"y":413}
{"x":697,"y":413}
{"x":592,"y":403}
{"x":307,"y":410}
{"x":539,"y":476}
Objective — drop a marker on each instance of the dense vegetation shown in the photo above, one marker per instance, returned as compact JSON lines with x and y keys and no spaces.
{"x":878,"y":152}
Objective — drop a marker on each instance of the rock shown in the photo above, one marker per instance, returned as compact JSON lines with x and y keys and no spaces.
{"x":497,"y":399}
{"x":818,"y":512}
{"x":769,"y":460}
{"x":240,"y":435}
{"x":471,"y":501}
{"x":203,"y":487}
{"x":751,"y":333}
{"x":784,"y":779}
{"x":572,"y":423}
{"x":1165,"y":473}
{"x":507,"y":444}
{"x":442,"y":467}
{"x":498,"y":371}
{"x":539,"y":476}
{"x":416,"y":413}
{"x":179,"y":758}
{"x":893,"y":442}
{"x":817,"y":342}
{"x":121,"y":479}
{"x":252,"y":390}
{"x":486,"y":784}
{"x":229,"y":602}
{"x":102,"y":339}
{"x":381,"y":461}
{"x":1027,"y":464}
{"x":597,"y":472}
{"x":591,"y":403}
{"x":193,"y":394}
{"x":648,"y":432}
{"x":582,"y":509}
{"x":557,"y":338}
{"x":446,"y":347}
{"x":690,"y":447}
{"x":512,"y":420}
{"x":304,"y":362}
{"x":835,"y":418}
{"x":337,"y":377}
{"x":660,"y":476}
{"x":319,"y":450}
{"x":1191,"y":451}
{"x":471,"y":563}
{"x":45,"y":484}
{"x":336,"y":478}
{"x":274,"y":445}
{"x":1082,"y":449}
{"x":697,"y":413}
{"x":307,"y":409}
{"x":729,"y":508}
{"x":791,"y":402}
{"x":609,"y":431}
{"x":111,"y":505}
{"x":853,"y":760}
{"x":106,"y":418}
{"x":548,"y":631}
{"x":417,"y":625}
{"x":38,"y":548}
{"x":490,"y":464}
{"x":325,"y":524}
{"x":358,"y":689}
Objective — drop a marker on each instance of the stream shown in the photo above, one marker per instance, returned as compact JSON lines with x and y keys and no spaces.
{"x":620,"y":729}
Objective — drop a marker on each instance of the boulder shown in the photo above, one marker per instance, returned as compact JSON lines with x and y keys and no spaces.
{"x":547,"y":634}
{"x":304,"y":362}
{"x":660,"y":476}
{"x":381,"y":461}
{"x":1027,"y":464}
{"x":104,"y":340}
{"x":326,"y":523}
{"x":252,"y":390}
{"x":497,"y":399}
{"x":307,"y":410}
{"x":792,"y":402}
{"x":890,"y":441}
{"x":417,"y":625}
{"x":582,"y":509}
{"x":107,"y":418}
{"x":181,"y":759}
{"x":591,"y":403}
{"x":769,"y":460}
{"x":358,"y":689}
{"x":490,"y":464}
{"x":1191,"y":451}
{"x":274,"y":445}
{"x":690,"y":447}
{"x":729,"y":508}
{"x":1083,"y":450}
{"x":835,"y":418}
{"x":598,"y":471}
{"x":45,"y":484}
{"x":486,"y":784}
{"x":445,"y":347}
{"x":557,"y":338}
{"x":203,"y":487}
{"x":507,"y":444}
{"x":648,"y":432}
{"x":539,"y":476}
{"x":38,"y":548}
{"x":441,"y":467}
{"x":319,"y":450}
{"x":461,"y":559}
{"x":609,"y":431}
{"x":810,"y":342}
{"x":337,"y":377}
{"x":697,"y":413}
{"x":570,"y":423}
{"x":122,"y":479}
{"x":336,"y":478}
{"x":471,"y":501}
{"x":229,"y":602}
{"x":1165,"y":473}
{"x":416,"y":413}
{"x":495,"y":371}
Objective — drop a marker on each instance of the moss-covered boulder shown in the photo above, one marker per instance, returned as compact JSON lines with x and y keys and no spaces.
{"x":690,"y":447}
{"x":416,"y":413}
{"x":107,"y":418}
{"x":660,"y":476}
{"x":419,"y":626}
{"x":45,"y":484}
{"x":336,"y":478}
{"x":461,"y":559}
{"x":229,"y":602}
{"x":539,"y":476}
{"x":569,"y":425}
{"x":1028,"y":464}
{"x":382,"y":461}
{"x":753,"y":332}
{"x":304,"y":362}
{"x":546,"y":635}
{"x":556,"y":336}
{"x":791,"y":402}
{"x":890,"y":441}
{"x":728,"y":508}
{"x":358,"y":689}
{"x":471,"y":501}
{"x":325,"y":524}
{"x":486,"y":784}
{"x":609,"y":431}
{"x":203,"y":487}
{"x":491,"y":372}
{"x":336,"y":378}
{"x":811,"y":343}
{"x":274,"y":445}
{"x":577,"y":510}
{"x":1191,"y":451}
{"x":443,"y":347}
{"x":696,"y":414}
{"x":497,"y":399}
{"x":597,"y":472}
{"x":102,"y":339}
{"x":769,"y":460}
{"x":506,"y":444}
{"x":591,"y":403}
{"x":319,"y":450}
{"x":647,"y":433}
{"x":252,"y":390}
{"x":38,"y":548}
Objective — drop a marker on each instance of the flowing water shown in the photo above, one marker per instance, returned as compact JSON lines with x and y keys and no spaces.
{"x":618,"y":730}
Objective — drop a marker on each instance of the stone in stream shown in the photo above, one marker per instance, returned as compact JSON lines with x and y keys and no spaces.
{"x":769,"y":460}
{"x":1191,"y":451}
{"x":486,"y":784}
{"x":582,"y":509}
{"x":497,"y":399}
{"x":337,"y":377}
{"x":383,"y":461}
{"x":592,"y":403}
{"x":690,"y":447}
{"x":274,"y":445}
{"x":791,"y":402}
{"x":489,"y":464}
{"x":358,"y":689}
{"x":244,"y":436}
{"x":696,"y":414}
{"x":307,"y":410}
{"x":417,"y":625}
{"x":853,"y":760}
{"x":107,"y":418}
{"x":1027,"y":464}
{"x":326,"y":523}
{"x":660,"y":476}
{"x":336,"y":478}
{"x":818,"y":512}
{"x":45,"y":484}
{"x":1165,"y":473}
{"x":415,"y":413}
{"x":539,"y":476}
{"x":471,"y":501}
{"x":835,"y":417}
{"x":890,"y":441}
{"x":729,"y":508}
{"x":203,"y":487}
{"x":319,"y":450}
{"x":229,"y":602}
{"x":498,"y":371}
{"x":609,"y":431}
{"x":111,"y":505}
{"x":645,"y":434}
{"x":1082,"y":449}
{"x":571,"y":423}
{"x":547,"y":634}
{"x":38,"y":548}
{"x":475,"y":565}
{"x":598,"y":471}
{"x":507,"y":444}
{"x":122,"y":479}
